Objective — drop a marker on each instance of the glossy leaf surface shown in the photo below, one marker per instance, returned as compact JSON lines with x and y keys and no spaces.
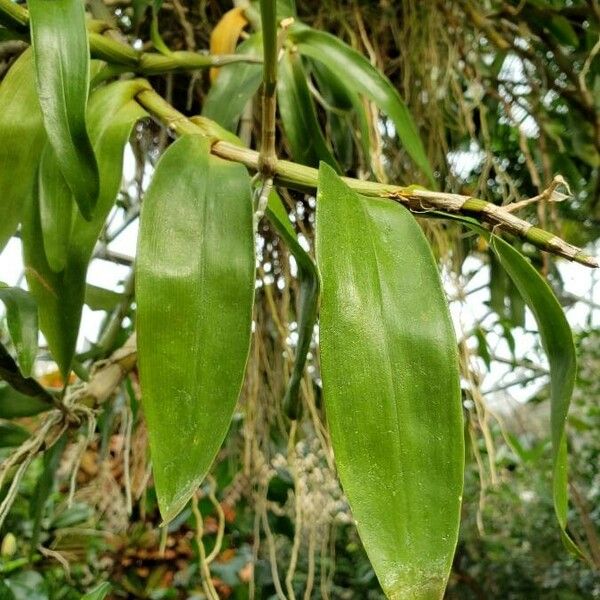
{"x":194,"y":290}
{"x":20,"y":119}
{"x":390,"y":376}
{"x":60,"y":295}
{"x":366,"y":80}
{"x":62,"y":64}
{"x":22,"y":321}
{"x":236,"y":85}
{"x":302,"y":130}
{"x":56,"y":210}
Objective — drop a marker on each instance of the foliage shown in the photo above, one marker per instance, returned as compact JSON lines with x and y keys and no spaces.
{"x":134,"y":465}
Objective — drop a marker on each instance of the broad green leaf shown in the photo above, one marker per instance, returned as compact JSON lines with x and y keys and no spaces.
{"x":194,"y":291}
{"x":234,"y":87}
{"x":301,"y":126}
{"x":60,"y":296}
{"x":20,"y":120}
{"x":22,"y":321}
{"x":43,"y":487}
{"x":14,"y":405}
{"x":307,"y":302}
{"x":12,"y":435}
{"x":98,"y":593}
{"x":360,"y":75}
{"x":390,"y":374}
{"x":557,"y":340}
{"x":62,"y":64}
{"x":56,"y":209}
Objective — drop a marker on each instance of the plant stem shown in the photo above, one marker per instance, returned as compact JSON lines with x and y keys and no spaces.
{"x":118,"y":53}
{"x":418,"y":200}
{"x":268,"y":157}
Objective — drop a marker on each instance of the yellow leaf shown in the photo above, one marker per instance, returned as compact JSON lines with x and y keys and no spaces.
{"x":226,"y":34}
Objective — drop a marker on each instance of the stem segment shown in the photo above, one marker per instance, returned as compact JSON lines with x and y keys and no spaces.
{"x":268,"y":157}
{"x":418,"y":200}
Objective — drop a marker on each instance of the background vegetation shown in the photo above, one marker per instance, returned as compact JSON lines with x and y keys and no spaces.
{"x":506,"y":96}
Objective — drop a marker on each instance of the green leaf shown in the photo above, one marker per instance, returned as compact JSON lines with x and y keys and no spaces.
{"x":60,"y":296}
{"x":194,"y":290}
{"x":234,"y":87}
{"x":299,"y":118}
{"x":557,"y":340}
{"x":56,"y":210}
{"x":14,"y":405}
{"x":98,"y":593}
{"x":308,"y":278}
{"x":22,"y":321}
{"x":44,"y":486}
{"x":10,"y":373}
{"x":389,"y":366}
{"x":20,"y":120}
{"x":342,"y":126}
{"x":12,"y":435}
{"x":365,"y":79}
{"x":62,"y":64}
{"x":98,"y":298}
{"x":562,"y":30}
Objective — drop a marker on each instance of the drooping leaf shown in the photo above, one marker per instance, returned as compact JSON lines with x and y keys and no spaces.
{"x":236,"y":85}
{"x":56,"y":209}
{"x":226,"y":33}
{"x":296,"y":107}
{"x":307,"y":302}
{"x":62,"y":63}
{"x":43,"y":487}
{"x":390,"y":375}
{"x":60,"y":296}
{"x":14,"y":405}
{"x":12,"y":435}
{"x":194,"y":290}
{"x":98,"y":593}
{"x":20,"y":120}
{"x":22,"y":321}
{"x":557,"y":340}
{"x":366,"y":80}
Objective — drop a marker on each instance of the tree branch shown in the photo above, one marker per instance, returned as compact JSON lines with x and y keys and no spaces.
{"x":417,"y":199}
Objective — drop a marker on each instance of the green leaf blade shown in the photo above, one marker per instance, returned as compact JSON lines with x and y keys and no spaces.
{"x":391,"y":387}
{"x":22,"y":321}
{"x":62,"y":64}
{"x":60,"y":295}
{"x":56,"y":210}
{"x":302,"y":130}
{"x":559,"y":346}
{"x":368,"y":81}
{"x":234,"y":87}
{"x":195,"y":290}
{"x":20,"y":119}
{"x":558,"y":343}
